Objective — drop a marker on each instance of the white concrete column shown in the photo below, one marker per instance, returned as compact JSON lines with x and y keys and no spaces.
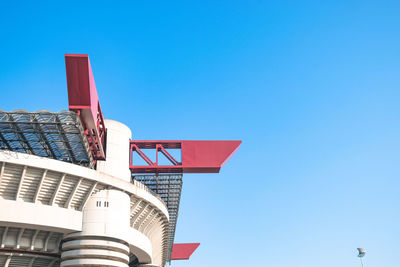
{"x":107,"y":213}
{"x":117,"y":151}
{"x":103,"y":240}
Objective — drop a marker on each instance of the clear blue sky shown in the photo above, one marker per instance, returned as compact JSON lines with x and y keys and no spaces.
{"x":312,"y":89}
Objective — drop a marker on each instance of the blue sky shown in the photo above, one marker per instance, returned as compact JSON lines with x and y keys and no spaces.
{"x":310,"y":87}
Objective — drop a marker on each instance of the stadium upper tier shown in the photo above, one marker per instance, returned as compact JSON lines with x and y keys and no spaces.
{"x":42,"y":202}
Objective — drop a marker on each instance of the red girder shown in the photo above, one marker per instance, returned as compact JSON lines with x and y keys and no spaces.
{"x":197,"y":156}
{"x":142,"y":155}
{"x":183,"y":251}
{"x":83,"y":99}
{"x":166,"y":154}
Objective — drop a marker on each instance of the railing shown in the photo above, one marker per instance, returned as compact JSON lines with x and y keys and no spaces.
{"x":144,"y":187}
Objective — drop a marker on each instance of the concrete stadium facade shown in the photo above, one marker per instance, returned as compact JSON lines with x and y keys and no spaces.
{"x":55,"y":213}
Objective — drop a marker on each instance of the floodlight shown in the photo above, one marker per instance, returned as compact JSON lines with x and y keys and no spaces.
{"x":361,"y":252}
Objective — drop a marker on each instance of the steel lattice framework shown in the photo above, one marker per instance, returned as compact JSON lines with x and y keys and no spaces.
{"x":53,"y":135}
{"x":169,"y":188}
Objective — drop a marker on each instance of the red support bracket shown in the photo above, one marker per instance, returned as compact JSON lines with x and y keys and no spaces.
{"x":83,"y":99}
{"x":183,"y":251}
{"x":197,"y":156}
{"x":166,"y":154}
{"x":134,"y":148}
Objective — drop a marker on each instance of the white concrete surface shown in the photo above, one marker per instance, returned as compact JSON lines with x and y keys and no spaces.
{"x":117,"y":151}
{"x":41,"y":217}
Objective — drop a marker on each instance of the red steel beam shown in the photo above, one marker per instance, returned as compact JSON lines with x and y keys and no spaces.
{"x":197,"y":156}
{"x":183,"y":251}
{"x":83,"y":99}
{"x":166,"y":154}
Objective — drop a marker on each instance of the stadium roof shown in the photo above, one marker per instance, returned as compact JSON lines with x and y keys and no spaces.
{"x":42,"y":133}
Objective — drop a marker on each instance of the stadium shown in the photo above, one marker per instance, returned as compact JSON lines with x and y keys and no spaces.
{"x":77,"y":189}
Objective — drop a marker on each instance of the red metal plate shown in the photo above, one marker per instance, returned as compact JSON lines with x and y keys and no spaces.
{"x":183,"y":251}
{"x":83,"y":98}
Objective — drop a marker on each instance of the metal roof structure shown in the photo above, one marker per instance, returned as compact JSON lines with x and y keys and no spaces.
{"x":42,"y":133}
{"x":169,"y":188}
{"x":79,"y":136}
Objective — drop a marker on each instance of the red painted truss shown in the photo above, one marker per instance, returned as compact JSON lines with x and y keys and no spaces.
{"x":183,"y":251}
{"x":197,"y":156}
{"x":83,"y":99}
